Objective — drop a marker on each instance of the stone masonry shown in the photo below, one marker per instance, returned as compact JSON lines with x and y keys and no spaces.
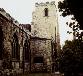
{"x":45,"y":26}
{"x":41,"y":53}
{"x":29,"y":47}
{"x":13,"y":39}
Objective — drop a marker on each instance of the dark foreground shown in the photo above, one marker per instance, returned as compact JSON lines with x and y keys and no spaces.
{"x":40,"y":74}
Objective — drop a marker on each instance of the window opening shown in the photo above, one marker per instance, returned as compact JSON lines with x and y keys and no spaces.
{"x":46,"y":11}
{"x":15,"y":47}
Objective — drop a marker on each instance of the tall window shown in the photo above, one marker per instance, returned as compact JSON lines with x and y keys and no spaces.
{"x":46,"y":11}
{"x":26,"y":50}
{"x":15,"y":47}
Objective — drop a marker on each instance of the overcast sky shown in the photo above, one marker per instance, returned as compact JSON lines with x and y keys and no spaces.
{"x":21,"y":10}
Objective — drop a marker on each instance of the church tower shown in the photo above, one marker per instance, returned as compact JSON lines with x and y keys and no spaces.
{"x":45,"y":22}
{"x":45,"y":31}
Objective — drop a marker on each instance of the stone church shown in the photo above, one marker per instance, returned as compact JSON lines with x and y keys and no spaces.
{"x":45,"y":41}
{"x":28,"y":47}
{"x":13,"y":43}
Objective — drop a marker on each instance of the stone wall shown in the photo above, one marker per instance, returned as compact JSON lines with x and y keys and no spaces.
{"x":41,"y":49}
{"x":12,"y":41}
{"x":45,"y":26}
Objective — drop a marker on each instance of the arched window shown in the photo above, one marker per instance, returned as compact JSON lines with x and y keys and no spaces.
{"x":15,"y":47}
{"x":46,"y":11}
{"x":26,"y":50}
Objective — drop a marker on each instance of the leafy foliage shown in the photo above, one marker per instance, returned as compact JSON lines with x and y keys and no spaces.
{"x":71,"y":57}
{"x":72,"y":7}
{"x":75,"y":8}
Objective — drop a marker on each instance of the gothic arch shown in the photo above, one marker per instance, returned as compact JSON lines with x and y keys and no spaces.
{"x":26,"y":50}
{"x":15,"y":47}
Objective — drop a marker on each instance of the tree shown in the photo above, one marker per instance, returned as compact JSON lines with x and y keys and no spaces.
{"x":75,"y":8}
{"x":71,"y":58}
{"x":72,"y":7}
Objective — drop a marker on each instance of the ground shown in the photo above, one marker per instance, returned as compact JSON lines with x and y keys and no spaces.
{"x":40,"y":74}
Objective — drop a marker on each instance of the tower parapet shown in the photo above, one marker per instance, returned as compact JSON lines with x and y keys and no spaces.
{"x":44,"y":20}
{"x":45,"y":4}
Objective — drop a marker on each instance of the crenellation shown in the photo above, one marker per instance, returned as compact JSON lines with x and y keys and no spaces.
{"x":53,"y":3}
{"x":42,"y":4}
{"x":45,"y":4}
{"x":36,"y":4}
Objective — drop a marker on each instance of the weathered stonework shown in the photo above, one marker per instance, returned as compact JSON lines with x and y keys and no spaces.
{"x":30,"y":48}
{"x":45,"y":25}
{"x":12,"y":41}
{"x":41,"y":47}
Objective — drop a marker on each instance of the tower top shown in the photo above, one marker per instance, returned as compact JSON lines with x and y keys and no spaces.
{"x":45,"y":4}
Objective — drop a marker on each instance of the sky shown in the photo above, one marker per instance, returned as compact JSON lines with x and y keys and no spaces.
{"x":22,"y":10}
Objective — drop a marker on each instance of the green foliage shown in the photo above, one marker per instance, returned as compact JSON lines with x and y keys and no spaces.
{"x":72,"y":7}
{"x":71,"y":57}
{"x":75,"y":8}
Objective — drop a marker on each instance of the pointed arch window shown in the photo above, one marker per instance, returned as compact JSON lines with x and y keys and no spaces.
{"x":15,"y":47}
{"x":46,"y":11}
{"x":26,"y":50}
